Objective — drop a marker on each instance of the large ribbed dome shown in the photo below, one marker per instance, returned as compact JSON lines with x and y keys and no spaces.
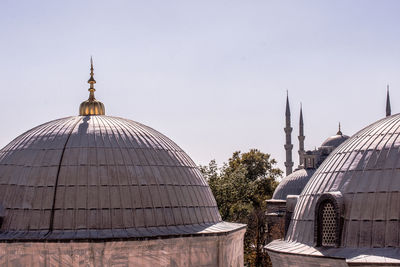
{"x":101,"y":177}
{"x":365,"y":172}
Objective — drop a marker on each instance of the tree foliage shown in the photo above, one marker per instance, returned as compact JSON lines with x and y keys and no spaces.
{"x":241,"y":188}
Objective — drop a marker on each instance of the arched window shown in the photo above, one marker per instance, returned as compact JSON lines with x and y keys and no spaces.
{"x":328,"y":221}
{"x":329,"y":225}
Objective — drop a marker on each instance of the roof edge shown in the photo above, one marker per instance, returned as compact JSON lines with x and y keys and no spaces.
{"x":134,"y":234}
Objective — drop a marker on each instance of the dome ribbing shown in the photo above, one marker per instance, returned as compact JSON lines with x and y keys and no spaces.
{"x":365,"y":170}
{"x":101,"y":177}
{"x":293,"y":184}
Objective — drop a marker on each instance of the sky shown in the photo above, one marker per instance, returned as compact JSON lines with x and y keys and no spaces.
{"x":211,"y":75}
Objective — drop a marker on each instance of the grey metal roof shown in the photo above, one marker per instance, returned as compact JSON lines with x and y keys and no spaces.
{"x":366,"y":170}
{"x":388,"y":256}
{"x":293,"y":184}
{"x":335,"y":140}
{"x":102,"y":177}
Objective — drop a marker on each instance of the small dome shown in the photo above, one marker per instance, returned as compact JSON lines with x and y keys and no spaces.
{"x":293,"y":184}
{"x":335,"y":140}
{"x":101,"y":177}
{"x":365,"y":171}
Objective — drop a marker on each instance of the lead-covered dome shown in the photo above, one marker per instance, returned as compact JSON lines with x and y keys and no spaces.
{"x":101,"y":177}
{"x":293,"y":184}
{"x":335,"y":140}
{"x":362,"y":181}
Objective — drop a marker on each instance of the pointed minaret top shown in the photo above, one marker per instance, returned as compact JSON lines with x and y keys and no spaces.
{"x":340,"y":131}
{"x":301,"y":138}
{"x":301,"y":114}
{"x":388,"y":109}
{"x":288,"y":144}
{"x":287,"y":104}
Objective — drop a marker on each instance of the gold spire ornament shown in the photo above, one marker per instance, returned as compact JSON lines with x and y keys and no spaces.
{"x":91,"y":106}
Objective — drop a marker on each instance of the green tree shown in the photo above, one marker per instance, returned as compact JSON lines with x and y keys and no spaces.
{"x":241,"y":188}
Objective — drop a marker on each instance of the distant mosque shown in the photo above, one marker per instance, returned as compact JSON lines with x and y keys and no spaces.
{"x":341,"y":207}
{"x":309,"y":161}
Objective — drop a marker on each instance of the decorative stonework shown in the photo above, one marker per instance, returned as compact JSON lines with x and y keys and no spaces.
{"x":328,"y":225}
{"x":328,"y":219}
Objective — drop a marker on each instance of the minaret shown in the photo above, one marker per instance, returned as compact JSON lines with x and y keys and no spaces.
{"x":388,"y":109}
{"x":288,"y":145}
{"x":301,"y":137}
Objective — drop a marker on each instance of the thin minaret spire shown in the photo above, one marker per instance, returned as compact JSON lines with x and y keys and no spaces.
{"x":388,"y":109}
{"x":340,"y":130}
{"x":301,"y":137}
{"x":288,"y":145}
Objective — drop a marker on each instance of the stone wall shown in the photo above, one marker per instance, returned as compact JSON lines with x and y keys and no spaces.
{"x":276,"y":210}
{"x":217,"y":250}
{"x":292,"y":260}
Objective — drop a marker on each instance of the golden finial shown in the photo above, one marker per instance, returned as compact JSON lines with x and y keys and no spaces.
{"x":91,"y":81}
{"x":91,"y":106}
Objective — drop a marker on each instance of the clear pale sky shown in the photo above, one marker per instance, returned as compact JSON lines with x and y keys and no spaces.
{"x":211,"y":75}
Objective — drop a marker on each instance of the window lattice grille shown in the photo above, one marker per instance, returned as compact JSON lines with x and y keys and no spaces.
{"x":328,"y":225}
